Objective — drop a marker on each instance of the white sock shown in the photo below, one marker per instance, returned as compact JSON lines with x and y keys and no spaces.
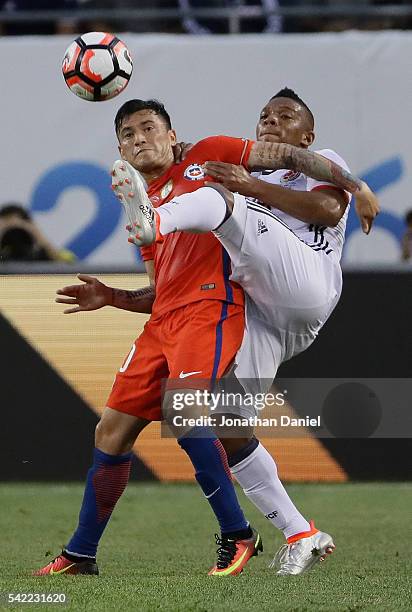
{"x":202,"y":211}
{"x":258,"y":477}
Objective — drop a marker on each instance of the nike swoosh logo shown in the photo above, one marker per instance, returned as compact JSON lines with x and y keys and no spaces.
{"x":186,"y":374}
{"x":209,"y":496}
{"x":53,"y":573}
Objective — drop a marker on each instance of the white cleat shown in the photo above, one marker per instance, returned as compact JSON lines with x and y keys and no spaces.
{"x":302,"y":555}
{"x":130,"y":188}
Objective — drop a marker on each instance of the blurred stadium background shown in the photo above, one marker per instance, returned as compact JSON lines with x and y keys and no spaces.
{"x":214,"y":64}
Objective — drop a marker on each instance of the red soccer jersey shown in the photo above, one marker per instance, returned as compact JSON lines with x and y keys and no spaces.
{"x":193,"y":267}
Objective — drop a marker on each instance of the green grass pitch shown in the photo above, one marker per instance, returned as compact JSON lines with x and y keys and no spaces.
{"x":159,"y":545}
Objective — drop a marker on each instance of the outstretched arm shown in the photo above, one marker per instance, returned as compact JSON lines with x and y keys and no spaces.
{"x":93,"y":294}
{"x":273,"y":156}
{"x":140,"y":300}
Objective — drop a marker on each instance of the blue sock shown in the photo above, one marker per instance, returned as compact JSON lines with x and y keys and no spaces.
{"x":106,"y":481}
{"x":213,"y":475}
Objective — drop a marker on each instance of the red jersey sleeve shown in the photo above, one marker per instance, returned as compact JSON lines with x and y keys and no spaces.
{"x":147,"y":252}
{"x":228,"y":149}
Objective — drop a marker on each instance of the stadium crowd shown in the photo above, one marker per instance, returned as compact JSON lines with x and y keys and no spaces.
{"x":188,"y":23}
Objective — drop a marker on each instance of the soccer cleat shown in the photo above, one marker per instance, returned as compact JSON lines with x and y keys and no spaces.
{"x":232,"y":555}
{"x":129,"y":187}
{"x":62,"y":565}
{"x":301,"y":554}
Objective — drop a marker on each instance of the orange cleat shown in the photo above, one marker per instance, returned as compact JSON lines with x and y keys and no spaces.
{"x":62,"y":565}
{"x":232,"y":555}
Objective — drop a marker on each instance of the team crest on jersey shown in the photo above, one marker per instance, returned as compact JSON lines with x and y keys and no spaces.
{"x":194,"y":172}
{"x":166,"y":189}
{"x":289,"y":176}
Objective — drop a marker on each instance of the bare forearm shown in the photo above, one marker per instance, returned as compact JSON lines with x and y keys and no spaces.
{"x":140,"y":300}
{"x":310,"y":207}
{"x":269,"y":155}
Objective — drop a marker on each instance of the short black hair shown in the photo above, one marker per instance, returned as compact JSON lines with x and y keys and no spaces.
{"x":408,"y":217}
{"x":14,"y":209}
{"x":134,"y":106}
{"x":286,"y":92}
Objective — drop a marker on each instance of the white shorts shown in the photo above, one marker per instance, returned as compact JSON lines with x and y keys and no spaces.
{"x":290,"y":290}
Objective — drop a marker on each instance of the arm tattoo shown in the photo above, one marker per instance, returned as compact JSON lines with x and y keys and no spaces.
{"x":140,"y":300}
{"x":270,"y":155}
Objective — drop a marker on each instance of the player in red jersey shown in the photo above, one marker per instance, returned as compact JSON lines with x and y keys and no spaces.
{"x":196,"y":328}
{"x":202,"y":268}
{"x":191,"y":275}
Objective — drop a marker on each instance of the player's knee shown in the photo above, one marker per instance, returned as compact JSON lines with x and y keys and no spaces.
{"x":116,"y":433}
{"x":100,"y":433}
{"x":110,"y":441}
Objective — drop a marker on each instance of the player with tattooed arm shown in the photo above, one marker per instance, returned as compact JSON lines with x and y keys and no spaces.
{"x":196,"y":326}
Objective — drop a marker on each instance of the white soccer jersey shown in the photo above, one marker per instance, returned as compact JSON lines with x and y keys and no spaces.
{"x":326,"y":239}
{"x":289,"y":271}
{"x":291,"y":275}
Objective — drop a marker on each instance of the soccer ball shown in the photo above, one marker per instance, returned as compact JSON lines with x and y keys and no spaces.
{"x":97,"y":66}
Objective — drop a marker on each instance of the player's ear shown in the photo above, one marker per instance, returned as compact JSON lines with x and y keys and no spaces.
{"x":173,"y":137}
{"x":308,"y":138}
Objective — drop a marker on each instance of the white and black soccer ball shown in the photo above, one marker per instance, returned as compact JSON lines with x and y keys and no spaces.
{"x":97,"y":66}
